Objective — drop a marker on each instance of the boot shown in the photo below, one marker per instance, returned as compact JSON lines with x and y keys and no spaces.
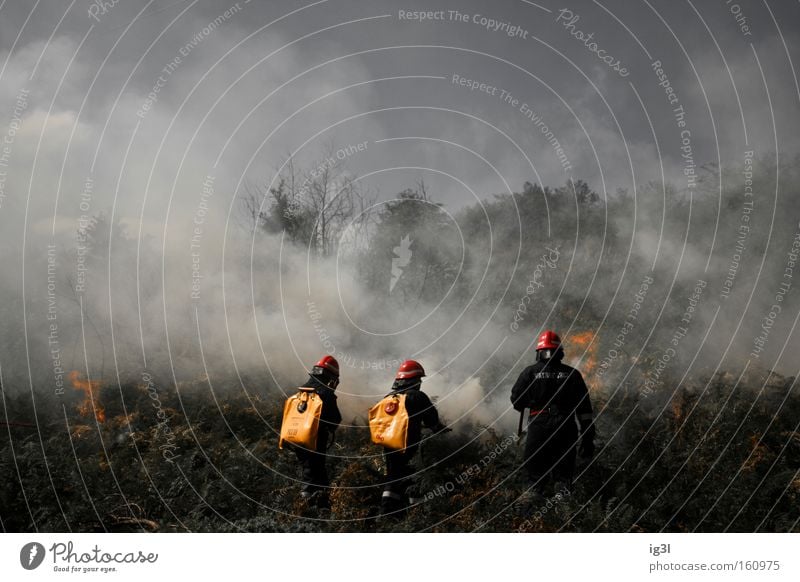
{"x":393,"y":504}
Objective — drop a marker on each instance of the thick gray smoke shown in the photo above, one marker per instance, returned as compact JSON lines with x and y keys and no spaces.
{"x":132,"y":144}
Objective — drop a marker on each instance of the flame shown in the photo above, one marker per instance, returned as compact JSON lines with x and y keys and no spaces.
{"x":91,"y":402}
{"x":580,"y":345}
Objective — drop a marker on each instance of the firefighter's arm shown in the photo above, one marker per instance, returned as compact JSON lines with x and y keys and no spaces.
{"x":430,"y":416}
{"x":331,"y":413}
{"x":519,"y":393}
{"x":585,"y":417}
{"x":331,"y":418}
{"x":331,"y":438}
{"x":336,"y":417}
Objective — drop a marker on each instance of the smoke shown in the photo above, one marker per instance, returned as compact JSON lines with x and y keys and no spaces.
{"x":125,"y":249}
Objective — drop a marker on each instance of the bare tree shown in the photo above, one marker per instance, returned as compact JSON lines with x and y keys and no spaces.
{"x":316,"y":207}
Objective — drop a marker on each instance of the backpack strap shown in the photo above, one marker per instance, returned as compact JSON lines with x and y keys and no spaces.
{"x":305,"y":393}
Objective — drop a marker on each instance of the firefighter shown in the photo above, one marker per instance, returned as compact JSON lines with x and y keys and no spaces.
{"x":323,"y":378}
{"x":555,"y":395}
{"x":421,"y":412}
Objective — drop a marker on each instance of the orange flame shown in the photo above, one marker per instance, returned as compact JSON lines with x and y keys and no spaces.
{"x":580,"y":345}
{"x":91,"y":402}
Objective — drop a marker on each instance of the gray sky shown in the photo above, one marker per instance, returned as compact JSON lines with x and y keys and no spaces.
{"x":94,"y":76}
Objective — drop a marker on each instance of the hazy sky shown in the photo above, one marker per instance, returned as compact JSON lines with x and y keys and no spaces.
{"x":243,"y":89}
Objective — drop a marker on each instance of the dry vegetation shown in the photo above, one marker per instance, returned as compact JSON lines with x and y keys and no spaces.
{"x":717,"y":460}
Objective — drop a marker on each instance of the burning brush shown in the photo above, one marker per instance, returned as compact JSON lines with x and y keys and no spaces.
{"x":91,"y":402}
{"x":582,"y":345}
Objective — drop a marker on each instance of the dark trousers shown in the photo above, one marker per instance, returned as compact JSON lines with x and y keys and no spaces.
{"x":314,"y":472}
{"x":398,"y":478}
{"x":550,"y":449}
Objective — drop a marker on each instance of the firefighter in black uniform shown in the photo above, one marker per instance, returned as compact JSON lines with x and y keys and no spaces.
{"x":324,"y":378}
{"x":555,"y":395}
{"x":421,"y":412}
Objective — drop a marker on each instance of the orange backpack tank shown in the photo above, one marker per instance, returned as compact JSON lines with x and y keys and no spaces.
{"x":301,"y":415}
{"x":388,"y":422}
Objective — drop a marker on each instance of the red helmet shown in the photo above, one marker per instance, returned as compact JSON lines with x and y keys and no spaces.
{"x":327,"y":363}
{"x":548,"y":340}
{"x":410,"y":369}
